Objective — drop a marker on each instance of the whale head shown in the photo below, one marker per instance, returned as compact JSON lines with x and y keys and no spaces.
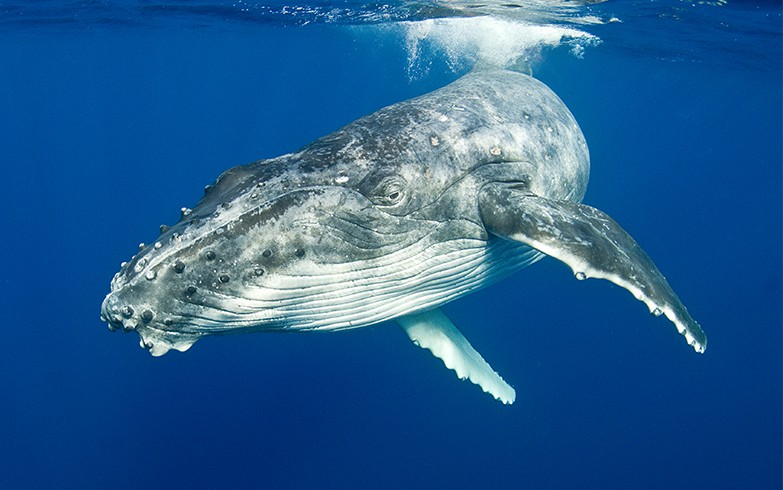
{"x":273,"y":245}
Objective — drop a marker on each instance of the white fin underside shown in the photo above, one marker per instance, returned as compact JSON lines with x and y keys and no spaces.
{"x":433,"y":330}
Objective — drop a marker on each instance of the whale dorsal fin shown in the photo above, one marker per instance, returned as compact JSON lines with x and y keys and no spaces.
{"x":434,"y":331}
{"x":591,"y":243}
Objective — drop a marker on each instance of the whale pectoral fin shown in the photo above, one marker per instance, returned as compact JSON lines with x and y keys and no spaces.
{"x":434,"y":331}
{"x":591,"y":243}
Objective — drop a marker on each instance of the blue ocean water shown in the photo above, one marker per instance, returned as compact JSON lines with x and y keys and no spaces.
{"x":113,"y":115}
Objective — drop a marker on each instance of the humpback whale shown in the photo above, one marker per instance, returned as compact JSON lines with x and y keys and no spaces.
{"x":388,"y":218}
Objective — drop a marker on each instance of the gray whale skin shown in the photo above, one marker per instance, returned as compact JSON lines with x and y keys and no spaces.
{"x":389,"y":218}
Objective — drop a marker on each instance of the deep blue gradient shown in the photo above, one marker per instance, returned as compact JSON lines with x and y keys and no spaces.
{"x":105,"y":132}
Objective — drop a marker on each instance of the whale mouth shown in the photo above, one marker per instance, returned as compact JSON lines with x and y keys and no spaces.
{"x":153,"y":336}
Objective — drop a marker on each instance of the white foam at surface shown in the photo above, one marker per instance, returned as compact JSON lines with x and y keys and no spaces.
{"x":489,"y":41}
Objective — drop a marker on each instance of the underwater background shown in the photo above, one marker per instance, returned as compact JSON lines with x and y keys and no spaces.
{"x":114,"y":115}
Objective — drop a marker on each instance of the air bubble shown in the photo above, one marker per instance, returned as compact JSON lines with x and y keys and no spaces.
{"x":190,"y":290}
{"x":158,"y":245}
{"x":210,"y":255}
{"x":185,"y":211}
{"x":150,"y":275}
{"x":580,"y":276}
{"x":147,"y":316}
{"x":179,"y":266}
{"x":127,"y":311}
{"x":299,"y":252}
{"x":266,"y":253}
{"x":164,"y":229}
{"x":224,"y":278}
{"x":657,"y":312}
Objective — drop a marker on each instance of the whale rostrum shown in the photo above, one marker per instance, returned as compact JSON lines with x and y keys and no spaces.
{"x":389,"y":218}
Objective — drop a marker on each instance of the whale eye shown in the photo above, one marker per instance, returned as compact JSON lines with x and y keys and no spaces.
{"x":389,"y":192}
